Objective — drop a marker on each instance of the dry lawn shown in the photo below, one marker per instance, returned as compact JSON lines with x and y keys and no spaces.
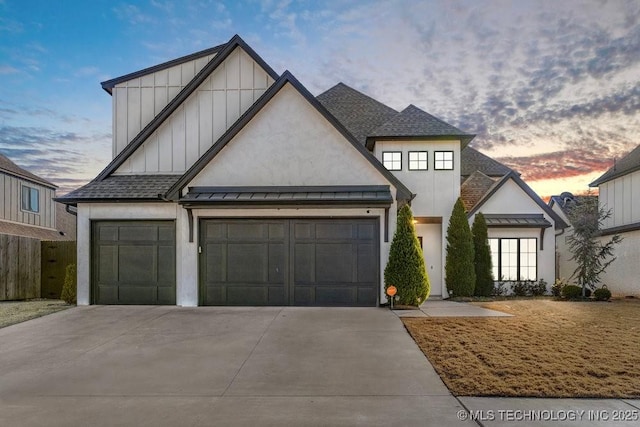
{"x":12,"y":312}
{"x":549,"y":349}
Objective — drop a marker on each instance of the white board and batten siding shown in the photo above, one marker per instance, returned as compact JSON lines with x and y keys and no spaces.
{"x":622,"y":197}
{"x":11,"y":202}
{"x":196,"y":124}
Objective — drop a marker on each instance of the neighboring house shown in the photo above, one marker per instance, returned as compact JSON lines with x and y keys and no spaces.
{"x":618,"y":192}
{"x":562,"y":205}
{"x":27,"y":207}
{"x":233,"y":185}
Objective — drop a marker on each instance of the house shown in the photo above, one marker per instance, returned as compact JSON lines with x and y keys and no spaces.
{"x":27,"y":207}
{"x":562,"y":205}
{"x":232,"y":185}
{"x":618,"y":193}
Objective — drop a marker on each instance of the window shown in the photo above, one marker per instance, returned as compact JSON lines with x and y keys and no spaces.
{"x":392,"y":160}
{"x":443,"y":160}
{"x":514,"y":259}
{"x":30,"y":199}
{"x":418,"y":160}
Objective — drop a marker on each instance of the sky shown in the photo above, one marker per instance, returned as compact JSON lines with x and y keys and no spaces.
{"x":550,"y":88}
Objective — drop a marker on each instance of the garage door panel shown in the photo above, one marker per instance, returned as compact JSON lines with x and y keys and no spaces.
{"x":133,"y":262}
{"x":304,"y":262}
{"x":216,"y":262}
{"x":248,"y":231}
{"x":247,"y":295}
{"x":364,"y":271}
{"x":247,"y":262}
{"x":334,"y":262}
{"x":277,"y":266}
{"x":330,"y":231}
{"x":336,"y":295}
{"x":303,"y":295}
{"x":367,"y":295}
{"x":108,"y":263}
{"x":366,"y":231}
{"x":137,"y":263}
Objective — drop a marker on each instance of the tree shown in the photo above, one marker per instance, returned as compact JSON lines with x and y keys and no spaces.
{"x":69,"y":286}
{"x":460,"y":275}
{"x":406,"y":269}
{"x":592,"y":254}
{"x":482,"y":257}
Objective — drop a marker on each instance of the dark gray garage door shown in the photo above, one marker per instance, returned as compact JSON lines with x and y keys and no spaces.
{"x":133,"y":262}
{"x":322,"y":262}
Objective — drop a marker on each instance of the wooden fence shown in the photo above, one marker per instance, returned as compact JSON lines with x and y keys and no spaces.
{"x":19,"y":267}
{"x":55,"y":258}
{"x":30,"y":268}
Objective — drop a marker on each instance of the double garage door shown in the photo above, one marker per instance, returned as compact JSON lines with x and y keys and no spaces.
{"x":304,"y":262}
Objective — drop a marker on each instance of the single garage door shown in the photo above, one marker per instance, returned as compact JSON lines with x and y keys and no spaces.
{"x":305,"y":262}
{"x":133,"y":262}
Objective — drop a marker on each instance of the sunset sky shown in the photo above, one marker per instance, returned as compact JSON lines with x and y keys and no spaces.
{"x":551,"y":88}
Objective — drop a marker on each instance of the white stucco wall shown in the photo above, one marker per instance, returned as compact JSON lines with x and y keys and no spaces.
{"x":289,"y":143}
{"x":511,"y":199}
{"x":202,"y":118}
{"x":622,"y":277}
{"x":436,"y":190}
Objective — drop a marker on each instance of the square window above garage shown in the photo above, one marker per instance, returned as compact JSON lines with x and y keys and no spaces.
{"x":392,"y":160}
{"x":443,"y":160}
{"x":418,"y":161}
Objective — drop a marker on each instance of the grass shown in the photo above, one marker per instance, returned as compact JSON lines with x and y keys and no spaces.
{"x":12,"y":312}
{"x":548,"y":349}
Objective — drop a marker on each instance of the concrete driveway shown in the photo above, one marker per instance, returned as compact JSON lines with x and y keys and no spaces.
{"x":117,"y":365}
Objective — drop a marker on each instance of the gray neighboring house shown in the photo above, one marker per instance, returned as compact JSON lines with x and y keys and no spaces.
{"x":27,"y":207}
{"x":619,"y":192}
{"x":232,"y":185}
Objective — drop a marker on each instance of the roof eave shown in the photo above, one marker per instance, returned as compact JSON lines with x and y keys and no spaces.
{"x":464,"y":139}
{"x":108,"y":85}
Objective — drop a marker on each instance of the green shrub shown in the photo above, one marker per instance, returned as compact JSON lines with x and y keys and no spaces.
{"x":520,"y":288}
{"x":499,"y":289}
{"x":482,"y":257}
{"x":556,"y":288}
{"x":460,"y":275}
{"x":406,"y":269}
{"x":69,"y":288}
{"x":602,"y":294}
{"x":538,"y":288}
{"x":574,"y":292}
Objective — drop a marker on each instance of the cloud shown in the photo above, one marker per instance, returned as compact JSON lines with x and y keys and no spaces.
{"x":8,"y":69}
{"x":87,"y":71}
{"x":132,"y":14}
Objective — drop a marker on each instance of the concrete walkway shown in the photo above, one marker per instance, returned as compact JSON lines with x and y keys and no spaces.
{"x":155,"y":366}
{"x":441,"y":308}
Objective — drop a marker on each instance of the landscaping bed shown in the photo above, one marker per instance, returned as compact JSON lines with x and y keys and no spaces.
{"x":548,"y":349}
{"x":12,"y":312}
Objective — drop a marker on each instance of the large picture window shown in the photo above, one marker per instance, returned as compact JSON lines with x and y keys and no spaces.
{"x":514,"y":259}
{"x":392,"y":160}
{"x":443,"y":160}
{"x":30,"y":199}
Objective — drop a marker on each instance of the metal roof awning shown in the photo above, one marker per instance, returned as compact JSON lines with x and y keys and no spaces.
{"x":517,"y":220}
{"x":377,"y":195}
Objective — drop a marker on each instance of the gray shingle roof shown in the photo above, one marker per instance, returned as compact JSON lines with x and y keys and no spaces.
{"x":412,"y":121}
{"x":567,"y":202}
{"x":356,"y":194}
{"x":627,"y":164}
{"x":472,"y":190}
{"x":7,"y":166}
{"x":359,"y":113}
{"x":472,"y":160}
{"x":122,"y":187}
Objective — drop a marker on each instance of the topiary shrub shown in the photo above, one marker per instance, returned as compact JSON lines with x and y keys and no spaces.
{"x":602,"y":294}
{"x":482,"y":257}
{"x":406,"y":269}
{"x":520,"y":288}
{"x":460,"y":275}
{"x":69,"y":288}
